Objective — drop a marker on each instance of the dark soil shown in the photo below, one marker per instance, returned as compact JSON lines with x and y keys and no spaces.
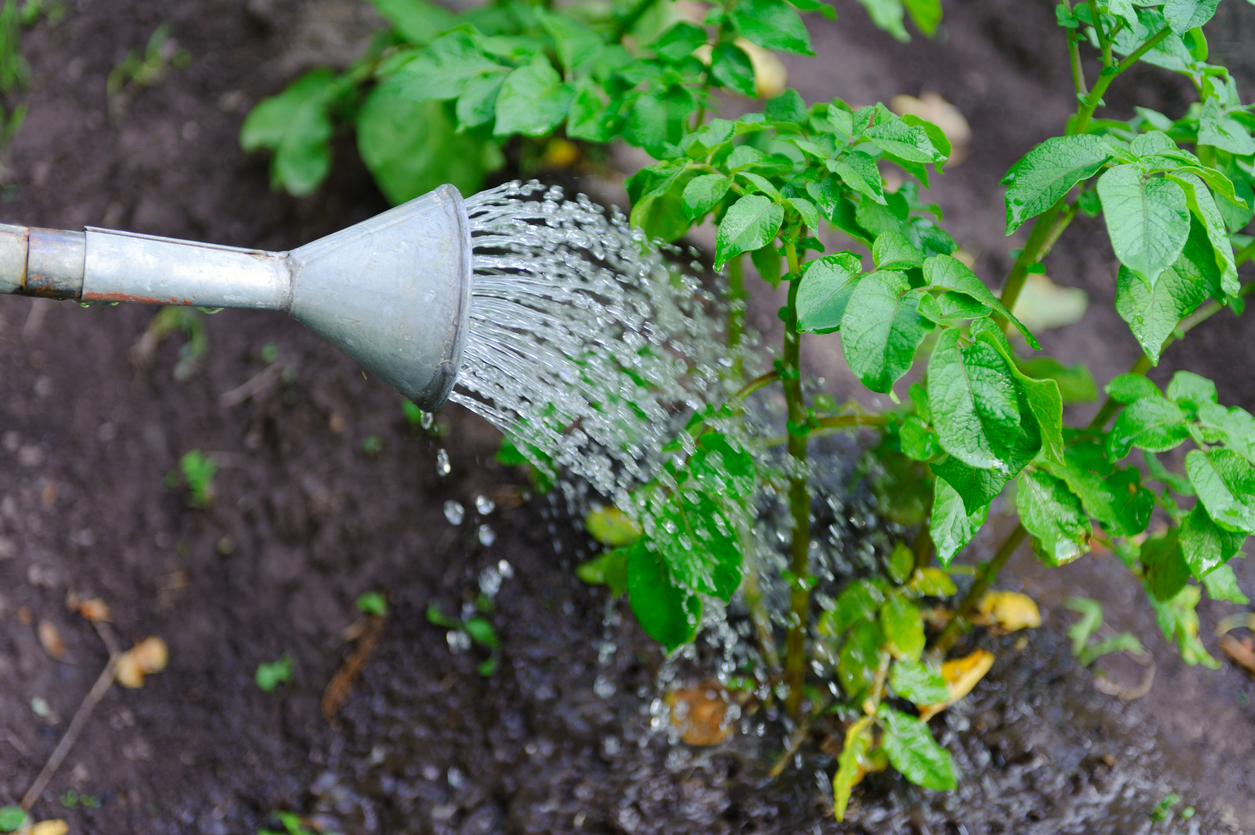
{"x":304,"y":520}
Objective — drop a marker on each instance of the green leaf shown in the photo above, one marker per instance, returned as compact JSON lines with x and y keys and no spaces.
{"x":1090,"y":622}
{"x":881,"y":329}
{"x":761,"y":184}
{"x":1179,"y":483}
{"x":1205,"y":545}
{"x":918,"y":684}
{"x":1147,"y":219}
{"x":721,"y":468}
{"x":858,"y":602}
{"x":914,"y":752}
{"x":730,"y":67}
{"x":1041,"y":396}
{"x":892,"y":251}
{"x":1151,"y":423}
{"x":657,"y":195}
{"x":806,"y":210}
{"x":271,"y":675}
{"x":1191,"y":390}
{"x":669,"y":613}
{"x":789,"y":106}
{"x":1054,"y":516}
{"x":413,"y":147}
{"x":589,"y":118}
{"x":978,"y":487}
{"x":372,"y":603}
{"x":972,"y":397}
{"x":533,"y":101}
{"x":903,"y":626}
{"x":678,"y":42}
{"x":606,"y":569}
{"x":1153,"y":313}
{"x":611,"y":526}
{"x":1116,"y":498}
{"x":888,"y":15}
{"x":1048,"y":172}
{"x":295,"y":125}
{"x":478,"y":103}
{"x":1076,"y":384}
{"x":926,"y":14}
{"x":918,"y":441}
{"x":1203,"y":207}
{"x":483,"y":633}
{"x":767,"y":261}
{"x":861,"y":655}
{"x":895,"y":137}
{"x":900,"y":563}
{"x":1129,"y":388}
{"x":751,"y":223}
{"x":1179,"y":622}
{"x":698,"y":543}
{"x":815,"y":6}
{"x":1121,"y":642}
{"x":773,"y":25}
{"x":931,"y":582}
{"x":951,"y":273}
{"x":822,"y":297}
{"x":858,"y":738}
{"x":443,"y":69}
{"x":439,"y":618}
{"x":951,"y":526}
{"x":1184,"y":15}
{"x":858,"y":171}
{"x":1166,"y":570}
{"x":1226,"y":487}
{"x":704,"y":193}
{"x":416,"y":21}
{"x":1222,"y":584}
{"x":575,"y":42}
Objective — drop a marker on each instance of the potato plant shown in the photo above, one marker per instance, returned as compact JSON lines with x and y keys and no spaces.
{"x":440,"y":95}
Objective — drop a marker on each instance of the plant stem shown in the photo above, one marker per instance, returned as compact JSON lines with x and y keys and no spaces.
{"x":755,"y":384}
{"x":1104,"y":42}
{"x":799,"y":501}
{"x":1108,"y":75}
{"x":922,"y":547}
{"x":978,"y":589}
{"x":1034,"y":250}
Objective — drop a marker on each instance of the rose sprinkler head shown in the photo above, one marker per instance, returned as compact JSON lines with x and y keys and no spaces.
{"x":392,"y":292}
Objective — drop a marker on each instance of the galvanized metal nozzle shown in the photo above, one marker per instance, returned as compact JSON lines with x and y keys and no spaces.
{"x":392,"y":292}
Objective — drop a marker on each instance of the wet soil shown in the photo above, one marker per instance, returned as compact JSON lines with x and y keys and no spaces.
{"x":304,"y":519}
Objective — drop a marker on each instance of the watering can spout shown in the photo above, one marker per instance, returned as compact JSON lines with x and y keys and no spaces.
{"x":392,"y":292}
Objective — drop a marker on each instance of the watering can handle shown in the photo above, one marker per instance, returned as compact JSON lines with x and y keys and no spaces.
{"x":102,"y":265}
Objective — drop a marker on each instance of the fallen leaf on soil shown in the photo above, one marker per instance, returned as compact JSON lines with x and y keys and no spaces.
{"x":338,"y":688}
{"x":961,"y":674}
{"x":1243,"y":652}
{"x":50,"y":640}
{"x":1009,"y":610}
{"x":1043,"y":305}
{"x":52,"y":827}
{"x":145,"y":658}
{"x":95,"y":610}
{"x":943,"y":114}
{"x":700,"y":712}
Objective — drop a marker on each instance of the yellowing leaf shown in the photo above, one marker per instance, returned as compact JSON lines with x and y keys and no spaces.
{"x":50,"y":640}
{"x":51,"y":827}
{"x":1009,"y":610}
{"x":1043,"y":305}
{"x":611,"y":526}
{"x":770,"y":75}
{"x":145,"y":658}
{"x":961,"y":675}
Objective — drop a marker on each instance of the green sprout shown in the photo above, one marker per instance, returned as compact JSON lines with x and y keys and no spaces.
{"x":271,"y":675}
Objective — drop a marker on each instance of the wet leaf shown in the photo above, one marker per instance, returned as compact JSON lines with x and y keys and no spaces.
{"x":607,"y":569}
{"x":961,"y":675}
{"x":1010,"y":610}
{"x":900,"y":563}
{"x":1222,"y":584}
{"x":860,"y":658}
{"x":951,"y":526}
{"x":903,"y":627}
{"x":882,"y":329}
{"x":936,"y":110}
{"x":773,"y":25}
{"x":533,"y":100}
{"x":751,"y":223}
{"x":1226,"y":486}
{"x":1179,"y":621}
{"x":1053,"y":514}
{"x":1150,"y":423}
{"x":1048,"y":172}
{"x":931,"y":582}
{"x":859,"y":601}
{"x":914,"y":752}
{"x":704,"y":193}
{"x":1148,"y":219}
{"x":825,"y":291}
{"x":858,"y":738}
{"x":973,"y":400}
{"x":918,"y":684}
{"x":668,"y":612}
{"x":611,"y":526}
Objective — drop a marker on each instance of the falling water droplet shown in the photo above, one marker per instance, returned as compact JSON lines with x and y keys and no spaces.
{"x":487,"y":535}
{"x":484,"y":505}
{"x":454,"y":512}
{"x":443,"y":467}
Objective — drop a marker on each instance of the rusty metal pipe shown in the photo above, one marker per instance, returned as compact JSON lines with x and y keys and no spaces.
{"x":392,"y":292}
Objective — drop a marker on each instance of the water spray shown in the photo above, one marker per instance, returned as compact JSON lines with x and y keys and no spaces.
{"x":392,"y":292}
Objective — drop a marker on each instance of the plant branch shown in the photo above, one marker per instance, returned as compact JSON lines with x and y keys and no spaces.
{"x":1108,"y":75}
{"x":757,"y":383}
{"x":983,"y":581}
{"x":1104,"y":42}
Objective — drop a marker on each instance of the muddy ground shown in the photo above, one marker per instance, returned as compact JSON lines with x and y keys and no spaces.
{"x":304,"y":519}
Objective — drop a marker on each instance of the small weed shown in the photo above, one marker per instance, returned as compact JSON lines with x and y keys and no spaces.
{"x":1163,"y":810}
{"x":473,"y":630}
{"x":170,"y":320}
{"x":292,"y":825}
{"x":269,"y":352}
{"x":413,"y":414}
{"x":146,"y":68}
{"x":373,"y":603}
{"x":196,"y":473}
{"x":372,"y":445}
{"x":269,"y":676}
{"x":73,"y":800}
